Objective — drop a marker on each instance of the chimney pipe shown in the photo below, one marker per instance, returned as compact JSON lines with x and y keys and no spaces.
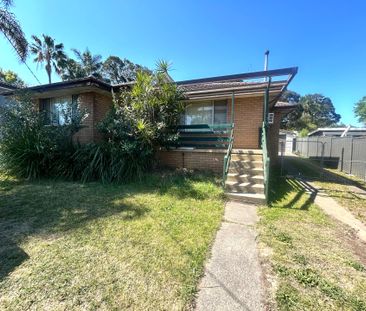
{"x":266,"y":63}
{"x":266,"y":60}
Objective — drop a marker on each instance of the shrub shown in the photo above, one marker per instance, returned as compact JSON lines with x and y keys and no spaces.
{"x":141,"y":121}
{"x":30,"y":149}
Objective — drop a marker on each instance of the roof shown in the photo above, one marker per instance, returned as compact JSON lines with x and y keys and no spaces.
{"x":5,"y":87}
{"x":281,"y":104}
{"x":338,"y":129}
{"x":241,"y":83}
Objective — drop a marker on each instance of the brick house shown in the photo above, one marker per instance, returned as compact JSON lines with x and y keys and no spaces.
{"x":221,"y":130}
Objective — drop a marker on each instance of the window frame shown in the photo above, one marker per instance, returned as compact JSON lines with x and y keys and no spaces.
{"x":45,"y":106}
{"x":212,"y":104}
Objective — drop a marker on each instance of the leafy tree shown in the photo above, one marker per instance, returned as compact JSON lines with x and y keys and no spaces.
{"x":11,"y":77}
{"x":147,"y":113}
{"x":117,"y":70}
{"x":11,"y":29}
{"x":72,"y":70}
{"x":360,"y":110}
{"x":48,"y":52}
{"x":312,"y":111}
{"x":290,"y":97}
{"x":89,"y":64}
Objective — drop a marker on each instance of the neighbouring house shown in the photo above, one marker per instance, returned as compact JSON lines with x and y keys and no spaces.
{"x":230,"y":125}
{"x":287,"y":140}
{"x":4,"y":88}
{"x":339,"y":132}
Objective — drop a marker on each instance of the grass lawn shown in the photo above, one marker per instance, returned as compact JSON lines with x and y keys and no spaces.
{"x":312,"y":261}
{"x":337,"y":185}
{"x":74,"y":246}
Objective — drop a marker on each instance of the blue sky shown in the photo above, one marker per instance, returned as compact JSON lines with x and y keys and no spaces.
{"x":325,"y":39}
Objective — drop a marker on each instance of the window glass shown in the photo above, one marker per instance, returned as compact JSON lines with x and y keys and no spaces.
{"x":220,"y":115}
{"x":57,"y":109}
{"x":208,"y":112}
{"x":199,"y":113}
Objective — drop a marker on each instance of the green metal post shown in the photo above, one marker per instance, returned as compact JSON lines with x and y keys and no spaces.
{"x":232,"y":108}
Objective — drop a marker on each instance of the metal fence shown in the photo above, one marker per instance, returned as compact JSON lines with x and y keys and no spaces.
{"x":347,"y":154}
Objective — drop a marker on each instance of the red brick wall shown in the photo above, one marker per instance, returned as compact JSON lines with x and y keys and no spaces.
{"x":86,"y":134}
{"x":273,"y":137}
{"x":248,"y":117}
{"x":200,"y":160}
{"x":96,"y":105}
{"x":102,"y":105}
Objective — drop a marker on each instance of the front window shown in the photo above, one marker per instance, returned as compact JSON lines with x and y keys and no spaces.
{"x":58,"y":110}
{"x":207,"y":112}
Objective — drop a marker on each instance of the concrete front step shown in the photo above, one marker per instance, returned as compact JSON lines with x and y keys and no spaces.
{"x":246,"y":163}
{"x":233,"y":186}
{"x":247,"y":157}
{"x":253,"y":198}
{"x":247,"y":151}
{"x":257,"y":179}
{"x":256,"y":171}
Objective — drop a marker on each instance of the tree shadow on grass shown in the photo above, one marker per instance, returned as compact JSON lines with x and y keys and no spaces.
{"x":311,"y":170}
{"x":11,"y":256}
{"x":282,"y":189}
{"x":49,"y":207}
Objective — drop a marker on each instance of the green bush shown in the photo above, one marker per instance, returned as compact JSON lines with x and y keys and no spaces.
{"x":110,"y":162}
{"x":28,"y":148}
{"x":141,"y":121}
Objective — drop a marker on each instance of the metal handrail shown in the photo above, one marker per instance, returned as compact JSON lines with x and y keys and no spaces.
{"x":227,"y":157}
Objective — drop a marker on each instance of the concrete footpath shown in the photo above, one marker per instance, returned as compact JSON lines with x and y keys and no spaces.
{"x":233,"y":275}
{"x":332,"y":208}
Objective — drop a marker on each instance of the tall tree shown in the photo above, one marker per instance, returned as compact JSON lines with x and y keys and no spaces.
{"x":290,"y":97}
{"x":360,"y":110}
{"x":48,"y":52}
{"x":71,"y":70}
{"x":11,"y":77}
{"x":312,"y":111}
{"x":117,"y":70}
{"x":11,"y":29}
{"x":90,"y":64}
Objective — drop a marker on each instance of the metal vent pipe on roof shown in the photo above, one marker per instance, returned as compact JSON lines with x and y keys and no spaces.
{"x":266,"y":54}
{"x":266,"y":60}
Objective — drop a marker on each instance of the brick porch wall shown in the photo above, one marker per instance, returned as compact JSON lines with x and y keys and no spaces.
{"x":206,"y":160}
{"x":248,"y":117}
{"x":273,"y":138}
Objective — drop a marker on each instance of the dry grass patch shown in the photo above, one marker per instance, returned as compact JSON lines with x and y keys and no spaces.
{"x":313,"y":262}
{"x":341,"y":187}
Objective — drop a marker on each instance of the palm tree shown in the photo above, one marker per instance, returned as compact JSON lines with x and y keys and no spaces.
{"x":91,"y":64}
{"x":11,"y":29}
{"x":48,"y":52}
{"x":71,"y":70}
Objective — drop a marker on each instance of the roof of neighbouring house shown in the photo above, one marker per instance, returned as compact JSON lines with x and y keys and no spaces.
{"x":6,"y":87}
{"x":338,"y":130}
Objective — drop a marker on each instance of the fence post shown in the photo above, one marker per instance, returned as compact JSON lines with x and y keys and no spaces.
{"x":322,"y":160}
{"x":350,"y":165}
{"x":342,"y":159}
{"x":330,"y":148}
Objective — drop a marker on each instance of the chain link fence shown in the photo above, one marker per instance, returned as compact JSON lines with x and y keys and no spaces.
{"x":347,"y":154}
